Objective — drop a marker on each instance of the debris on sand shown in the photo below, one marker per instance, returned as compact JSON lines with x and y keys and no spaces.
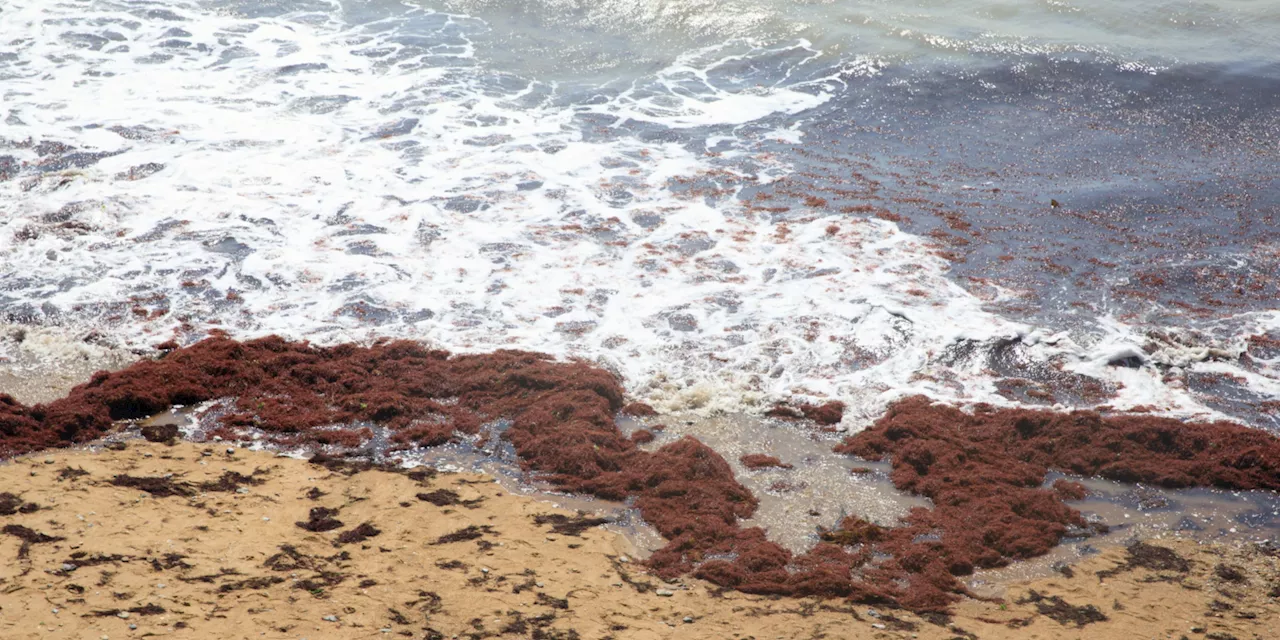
{"x":321,"y":519}
{"x":166,"y":433}
{"x":1059,"y":610}
{"x":447,"y":498}
{"x":67,"y":473}
{"x":1141,"y":555}
{"x":28,"y":537}
{"x":471,"y":532}
{"x":360,"y":533}
{"x":158,"y":486}
{"x":11,"y":504}
{"x":165,"y":486}
{"x":567,"y":525}
{"x":149,"y":609}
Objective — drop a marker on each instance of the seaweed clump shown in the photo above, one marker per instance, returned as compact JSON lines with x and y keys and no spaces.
{"x":569,"y":525}
{"x":358,"y":534}
{"x":1141,"y":555}
{"x":447,"y":498}
{"x":984,"y":471}
{"x":1063,"y":612}
{"x":827,"y":414}
{"x":11,"y":504}
{"x":762,"y":461}
{"x":286,"y":389}
{"x":321,"y":519}
{"x":28,"y":537}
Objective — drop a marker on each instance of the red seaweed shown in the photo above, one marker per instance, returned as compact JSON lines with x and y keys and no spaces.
{"x":825,"y":414}
{"x":983,"y":471}
{"x":639,"y":410}
{"x":762,"y":461}
{"x":642,"y":436}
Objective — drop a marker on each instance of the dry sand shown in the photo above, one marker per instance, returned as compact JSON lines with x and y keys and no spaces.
{"x":227,"y":562}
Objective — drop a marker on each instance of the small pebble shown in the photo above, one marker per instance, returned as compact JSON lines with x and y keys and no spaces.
{"x":877,"y":625}
{"x":67,"y":566}
{"x":123,"y":615}
{"x":55,"y":610}
{"x":242,"y":490}
{"x":206,"y":453}
{"x":541,"y":584}
{"x":264,"y":518}
{"x":666,"y":593}
{"x":231,"y":451}
{"x":623,"y":559}
{"x":48,"y":460}
{"x":330,"y":618}
{"x":133,"y":626}
{"x":161,"y":585}
{"x":484,"y":569}
{"x":688,"y":619}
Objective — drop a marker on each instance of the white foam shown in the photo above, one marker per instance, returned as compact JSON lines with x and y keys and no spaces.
{"x":507,"y":217}
{"x":684,"y":95}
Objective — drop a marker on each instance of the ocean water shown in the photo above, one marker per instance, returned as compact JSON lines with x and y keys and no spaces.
{"x":728,"y":203}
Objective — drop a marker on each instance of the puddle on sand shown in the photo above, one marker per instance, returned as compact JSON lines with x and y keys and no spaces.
{"x":819,"y":489}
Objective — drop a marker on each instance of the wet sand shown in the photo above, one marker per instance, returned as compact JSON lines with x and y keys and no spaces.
{"x":225,"y":558}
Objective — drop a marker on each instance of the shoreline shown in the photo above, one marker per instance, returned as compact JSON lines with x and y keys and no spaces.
{"x":984,"y":473}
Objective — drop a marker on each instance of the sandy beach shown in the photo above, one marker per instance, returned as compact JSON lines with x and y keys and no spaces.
{"x":205,"y":541}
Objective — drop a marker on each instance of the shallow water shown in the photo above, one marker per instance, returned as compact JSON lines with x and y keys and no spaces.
{"x":676,"y":190}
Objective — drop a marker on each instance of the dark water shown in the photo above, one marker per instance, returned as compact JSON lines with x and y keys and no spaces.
{"x":1167,"y":184}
